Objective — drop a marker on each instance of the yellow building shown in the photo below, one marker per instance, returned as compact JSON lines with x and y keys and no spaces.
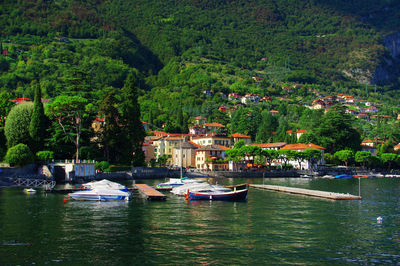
{"x":212,"y":139}
{"x":166,"y":145}
{"x":211,"y":158}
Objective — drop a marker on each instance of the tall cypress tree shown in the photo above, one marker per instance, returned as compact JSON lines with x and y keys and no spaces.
{"x":110,"y":137}
{"x":133,"y":128}
{"x":37,"y":126}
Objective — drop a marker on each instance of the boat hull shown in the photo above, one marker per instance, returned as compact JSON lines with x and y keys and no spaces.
{"x":99,"y":197}
{"x":233,"y":195}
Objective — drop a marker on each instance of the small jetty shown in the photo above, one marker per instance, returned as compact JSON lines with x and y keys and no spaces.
{"x":150,"y":193}
{"x":309,"y":192}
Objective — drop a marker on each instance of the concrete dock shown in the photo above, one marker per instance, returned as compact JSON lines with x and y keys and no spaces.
{"x":309,"y":192}
{"x":150,"y":193}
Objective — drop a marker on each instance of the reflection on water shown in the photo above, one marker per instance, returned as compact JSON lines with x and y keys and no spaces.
{"x":268,"y":228}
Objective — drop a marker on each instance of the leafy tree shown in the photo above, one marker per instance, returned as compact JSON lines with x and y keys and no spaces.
{"x":363,"y":157}
{"x":45,"y":155}
{"x":4,"y":64}
{"x":133,"y":128}
{"x":308,"y":138}
{"x":312,"y":156}
{"x":281,"y":132}
{"x":16,"y":129}
{"x":102,"y":166}
{"x":37,"y":126}
{"x":388,"y":158}
{"x":245,"y":121}
{"x":270,"y":155}
{"x":250,"y":152}
{"x":286,"y":155}
{"x":336,"y":133}
{"x":376,"y":162}
{"x":299,"y":156}
{"x":19,"y":155}
{"x":162,"y":160}
{"x":268,"y":125}
{"x":345,"y":156}
{"x":240,"y":143}
{"x":69,"y":112}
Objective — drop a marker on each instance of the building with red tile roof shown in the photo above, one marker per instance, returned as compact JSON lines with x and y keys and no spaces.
{"x":270,"y":146}
{"x":211,"y":157}
{"x":213,"y":127}
{"x":397,"y":147}
{"x":236,"y":137}
{"x":301,"y":148}
{"x":21,"y":100}
{"x":274,"y":112}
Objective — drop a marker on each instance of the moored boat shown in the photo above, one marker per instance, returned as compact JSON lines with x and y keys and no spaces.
{"x":344,"y":176}
{"x":29,"y":191}
{"x":103,"y":190}
{"x":176,"y":182}
{"x":104,"y":184}
{"x":181,"y":190}
{"x":217,"y":195}
{"x":360,"y":176}
{"x":101,"y":195}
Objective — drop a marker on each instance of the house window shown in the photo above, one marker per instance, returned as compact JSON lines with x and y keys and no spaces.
{"x":209,"y":141}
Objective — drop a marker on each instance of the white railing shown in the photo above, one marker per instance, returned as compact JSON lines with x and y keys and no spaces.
{"x":26,"y":182}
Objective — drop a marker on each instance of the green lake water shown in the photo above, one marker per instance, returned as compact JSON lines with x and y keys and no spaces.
{"x":269,"y":228}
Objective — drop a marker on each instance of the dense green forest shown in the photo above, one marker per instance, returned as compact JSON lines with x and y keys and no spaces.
{"x":186,"y":56}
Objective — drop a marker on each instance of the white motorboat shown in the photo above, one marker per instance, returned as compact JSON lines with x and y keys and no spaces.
{"x":104,"y":184}
{"x":101,"y":195}
{"x":103,"y":190}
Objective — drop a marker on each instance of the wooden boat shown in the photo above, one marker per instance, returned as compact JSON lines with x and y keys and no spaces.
{"x":217,"y":195}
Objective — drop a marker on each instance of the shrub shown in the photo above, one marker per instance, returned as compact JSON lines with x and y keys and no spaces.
{"x":118,"y":168}
{"x":19,"y":155}
{"x":102,"y":166}
{"x":45,"y":155}
{"x":16,"y":129}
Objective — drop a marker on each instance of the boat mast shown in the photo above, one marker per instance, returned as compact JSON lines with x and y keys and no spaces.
{"x":181,"y":155}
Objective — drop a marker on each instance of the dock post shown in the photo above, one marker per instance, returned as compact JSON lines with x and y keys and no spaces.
{"x":263,"y":177}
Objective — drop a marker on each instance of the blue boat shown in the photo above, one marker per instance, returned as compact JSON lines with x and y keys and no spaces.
{"x":344,"y":176}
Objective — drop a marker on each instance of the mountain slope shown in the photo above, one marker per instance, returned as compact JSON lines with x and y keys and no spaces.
{"x":333,"y":40}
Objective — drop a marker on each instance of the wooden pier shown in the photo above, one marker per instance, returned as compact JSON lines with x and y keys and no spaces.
{"x":150,"y":193}
{"x":309,"y":192}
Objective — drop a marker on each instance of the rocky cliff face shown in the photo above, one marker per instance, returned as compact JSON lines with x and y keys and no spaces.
{"x":389,"y":68}
{"x":392,"y":43}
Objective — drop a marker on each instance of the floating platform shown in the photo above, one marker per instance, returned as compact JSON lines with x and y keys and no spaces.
{"x":309,"y":192}
{"x":150,"y":193}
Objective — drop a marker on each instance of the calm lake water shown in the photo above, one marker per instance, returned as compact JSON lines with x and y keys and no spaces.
{"x":269,"y":228}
